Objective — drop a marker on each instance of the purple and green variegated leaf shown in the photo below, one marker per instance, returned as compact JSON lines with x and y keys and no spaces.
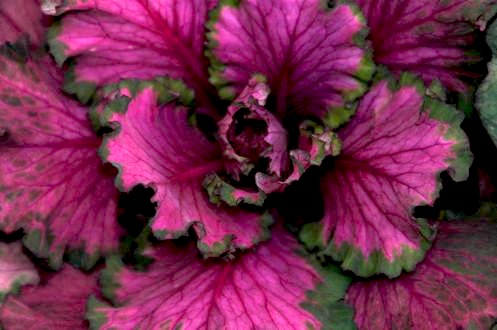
{"x":116,"y":96}
{"x":16,"y":269}
{"x":432,"y":38}
{"x":308,"y":52}
{"x":53,"y":184}
{"x":141,"y":39}
{"x":393,"y":152}
{"x":155,"y":146}
{"x":59,"y":303}
{"x":19,"y":18}
{"x":269,"y":287}
{"x":455,"y":287}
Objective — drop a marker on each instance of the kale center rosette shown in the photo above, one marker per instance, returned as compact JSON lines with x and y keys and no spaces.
{"x":255,"y":147}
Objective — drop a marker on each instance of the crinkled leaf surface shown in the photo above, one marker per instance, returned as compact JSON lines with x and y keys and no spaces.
{"x":59,"y":303}
{"x":261,"y":289}
{"x":486,"y":101}
{"x":455,"y":287}
{"x":392,"y":155}
{"x":432,"y":38}
{"x":315,"y":144}
{"x":155,"y":146}
{"x":243,"y":149}
{"x":21,"y":17}
{"x":133,"y":39}
{"x":15,"y":269}
{"x":53,"y":183}
{"x":117,"y":96}
{"x":307,"y":52}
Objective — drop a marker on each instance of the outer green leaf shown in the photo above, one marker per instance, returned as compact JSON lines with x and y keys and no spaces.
{"x":486,"y":100}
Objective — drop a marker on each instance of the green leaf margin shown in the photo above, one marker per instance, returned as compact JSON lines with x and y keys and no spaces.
{"x":226,"y":92}
{"x":180,"y":95}
{"x":486,"y":95}
{"x":352,"y":258}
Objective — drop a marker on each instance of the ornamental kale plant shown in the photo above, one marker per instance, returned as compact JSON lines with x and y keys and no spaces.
{"x":251,"y":164}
